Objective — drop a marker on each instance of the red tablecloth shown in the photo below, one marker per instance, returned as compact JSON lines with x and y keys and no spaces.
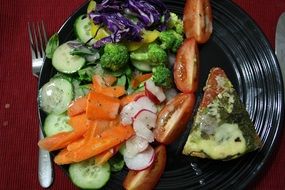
{"x":18,"y":112}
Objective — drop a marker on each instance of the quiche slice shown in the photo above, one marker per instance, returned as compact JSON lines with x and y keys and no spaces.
{"x":222,"y":128}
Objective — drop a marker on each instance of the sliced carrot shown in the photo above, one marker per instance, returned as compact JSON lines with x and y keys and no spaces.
{"x":109,"y":80}
{"x":76,"y":144}
{"x":132,"y":97}
{"x":96,"y":128}
{"x":100,"y":106}
{"x":61,"y":140}
{"x":54,"y":142}
{"x":108,"y":139}
{"x":100,"y":86}
{"x":135,"y":82}
{"x":113,"y":91}
{"x":105,"y":156}
{"x":78,"y":106}
{"x":103,"y":81}
{"x":97,"y":82}
{"x":78,"y":122}
{"x":63,"y":157}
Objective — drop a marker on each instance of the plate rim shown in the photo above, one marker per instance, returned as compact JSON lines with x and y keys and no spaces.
{"x":259,"y":172}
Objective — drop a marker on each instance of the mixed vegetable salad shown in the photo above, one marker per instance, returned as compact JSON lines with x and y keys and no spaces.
{"x":124,"y":89}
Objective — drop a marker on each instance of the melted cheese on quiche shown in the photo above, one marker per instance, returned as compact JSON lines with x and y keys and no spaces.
{"x":227,"y":140}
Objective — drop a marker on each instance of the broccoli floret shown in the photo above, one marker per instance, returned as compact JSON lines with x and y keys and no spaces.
{"x":153,"y":54}
{"x":161,"y":76}
{"x":175,"y":23}
{"x":170,"y":40}
{"x":115,"y":57}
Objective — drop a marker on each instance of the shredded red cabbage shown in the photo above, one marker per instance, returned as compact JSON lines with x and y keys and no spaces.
{"x":127,"y":18}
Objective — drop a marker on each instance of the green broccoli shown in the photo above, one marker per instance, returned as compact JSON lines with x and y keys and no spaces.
{"x":170,"y":40}
{"x":115,"y":57}
{"x":175,"y":23}
{"x":152,"y":54}
{"x":161,"y":76}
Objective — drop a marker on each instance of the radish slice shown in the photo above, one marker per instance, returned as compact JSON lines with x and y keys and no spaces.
{"x":147,"y":117}
{"x":128,"y":112}
{"x":170,"y":93}
{"x":155,"y":93}
{"x":152,"y":97}
{"x":146,"y":103}
{"x":142,"y":131}
{"x":141,"y":160}
{"x":135,"y":145}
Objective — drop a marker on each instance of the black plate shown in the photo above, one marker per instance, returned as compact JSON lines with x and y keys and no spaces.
{"x":240,"y":48}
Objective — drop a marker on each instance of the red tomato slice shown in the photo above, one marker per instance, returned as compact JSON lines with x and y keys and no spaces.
{"x":197,"y":20}
{"x":186,"y":67}
{"x":212,"y":89}
{"x":172,"y":119}
{"x":148,"y":178}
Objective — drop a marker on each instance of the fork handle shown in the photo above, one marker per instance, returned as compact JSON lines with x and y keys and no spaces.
{"x":45,"y":172}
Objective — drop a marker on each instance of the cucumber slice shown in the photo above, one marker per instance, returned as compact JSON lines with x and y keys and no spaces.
{"x":64,"y":62}
{"x":62,"y":76}
{"x":141,"y":66}
{"x":82,"y":28}
{"x":87,"y":175}
{"x":55,"y":96}
{"x":56,"y":123}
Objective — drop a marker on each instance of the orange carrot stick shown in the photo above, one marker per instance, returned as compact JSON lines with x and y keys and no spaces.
{"x":113,"y":91}
{"x":76,"y":144}
{"x":135,"y":82}
{"x":78,"y":106}
{"x":94,"y":128}
{"x":107,"y":140}
{"x":100,"y":106}
{"x":105,"y":156}
{"x":61,"y":140}
{"x":63,"y":157}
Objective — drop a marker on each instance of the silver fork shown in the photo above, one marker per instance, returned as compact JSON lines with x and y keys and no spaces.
{"x":38,"y":41}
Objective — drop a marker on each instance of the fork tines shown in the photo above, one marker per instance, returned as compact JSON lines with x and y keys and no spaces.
{"x":38,"y":39}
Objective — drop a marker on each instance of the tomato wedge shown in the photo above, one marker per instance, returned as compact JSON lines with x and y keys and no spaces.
{"x":186,"y":67}
{"x":173,"y":118}
{"x":197,"y":20}
{"x":212,"y":88}
{"x":148,"y":178}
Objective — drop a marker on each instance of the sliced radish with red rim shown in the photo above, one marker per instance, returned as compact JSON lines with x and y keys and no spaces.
{"x":154,"y":92}
{"x":135,"y":145}
{"x":142,"y":131}
{"x":141,"y":160}
{"x":147,"y":117}
{"x":146,"y":103}
{"x":129,"y":111}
